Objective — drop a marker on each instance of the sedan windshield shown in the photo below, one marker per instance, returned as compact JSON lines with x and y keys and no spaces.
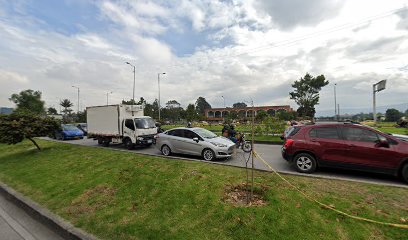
{"x":144,"y":123}
{"x":205,"y":133}
{"x":69,"y":128}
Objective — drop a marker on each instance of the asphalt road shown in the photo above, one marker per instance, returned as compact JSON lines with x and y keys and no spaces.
{"x":272,"y":155}
{"x":15,"y":224}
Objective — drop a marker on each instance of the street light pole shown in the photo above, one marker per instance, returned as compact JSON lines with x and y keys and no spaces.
{"x":134,"y":81}
{"x":224,"y":100}
{"x":335,"y":103}
{"x":107,"y":97}
{"x":78,"y":98}
{"x":158,"y":82}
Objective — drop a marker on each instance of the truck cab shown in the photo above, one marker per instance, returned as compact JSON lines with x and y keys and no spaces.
{"x":139,"y":130}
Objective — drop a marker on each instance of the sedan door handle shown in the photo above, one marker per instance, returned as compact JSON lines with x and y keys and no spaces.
{"x":313,"y":140}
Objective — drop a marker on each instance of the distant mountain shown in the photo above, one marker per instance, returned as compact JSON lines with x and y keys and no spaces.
{"x":380,"y":109}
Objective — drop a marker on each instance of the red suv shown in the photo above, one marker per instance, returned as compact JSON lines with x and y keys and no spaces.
{"x":345,"y":145}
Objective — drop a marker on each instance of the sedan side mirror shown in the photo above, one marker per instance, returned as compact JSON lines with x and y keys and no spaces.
{"x":196,"y":139}
{"x":382,"y":143}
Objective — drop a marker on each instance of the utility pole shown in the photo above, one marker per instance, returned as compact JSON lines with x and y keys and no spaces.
{"x":134,"y":82}
{"x":107,"y":97}
{"x":158,"y":83}
{"x":335,"y":103}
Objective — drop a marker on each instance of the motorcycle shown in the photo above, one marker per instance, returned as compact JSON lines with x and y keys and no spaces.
{"x":246,"y":146}
{"x":240,"y":141}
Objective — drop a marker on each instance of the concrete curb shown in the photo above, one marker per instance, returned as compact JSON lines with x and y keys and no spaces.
{"x":63,"y":228}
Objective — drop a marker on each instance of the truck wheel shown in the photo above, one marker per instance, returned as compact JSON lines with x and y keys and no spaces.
{"x":304,"y":163}
{"x":166,"y":151}
{"x":105,"y":142}
{"x":404,"y":172}
{"x":128,"y":144}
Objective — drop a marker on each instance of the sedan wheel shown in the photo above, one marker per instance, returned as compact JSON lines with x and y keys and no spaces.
{"x":208,"y":155}
{"x":305,"y":163}
{"x":166,"y":150}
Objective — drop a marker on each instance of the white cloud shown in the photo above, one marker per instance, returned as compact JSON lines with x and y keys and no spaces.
{"x":258,"y":59}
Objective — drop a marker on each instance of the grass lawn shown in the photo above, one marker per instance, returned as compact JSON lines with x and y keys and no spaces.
{"x":119,"y":195}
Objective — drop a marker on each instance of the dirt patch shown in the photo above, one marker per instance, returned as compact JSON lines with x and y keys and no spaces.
{"x":239,"y":195}
{"x":92,"y":200}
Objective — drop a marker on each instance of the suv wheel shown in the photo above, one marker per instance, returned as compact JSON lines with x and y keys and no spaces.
{"x":304,"y":163}
{"x":404,"y":172}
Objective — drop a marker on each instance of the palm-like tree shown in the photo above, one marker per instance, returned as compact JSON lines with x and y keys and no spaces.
{"x":66,"y":104}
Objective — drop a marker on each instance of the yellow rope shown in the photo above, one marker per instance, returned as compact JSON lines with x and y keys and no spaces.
{"x":404,"y":226}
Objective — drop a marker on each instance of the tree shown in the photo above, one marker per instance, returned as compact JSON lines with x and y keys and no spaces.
{"x":66,"y":104}
{"x":201,"y":105}
{"x":261,"y":115}
{"x":392,"y":115}
{"x":28,"y":101}
{"x":306,"y":94}
{"x":173,"y":111}
{"x":15,"y":127}
{"x":239,"y":105}
{"x":52,"y":111}
{"x":191,"y":113}
{"x":406,"y":113}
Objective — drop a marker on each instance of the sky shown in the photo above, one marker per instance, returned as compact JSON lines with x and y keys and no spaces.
{"x":240,"y":51}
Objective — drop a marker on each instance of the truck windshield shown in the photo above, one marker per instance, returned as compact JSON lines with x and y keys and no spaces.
{"x":144,"y":123}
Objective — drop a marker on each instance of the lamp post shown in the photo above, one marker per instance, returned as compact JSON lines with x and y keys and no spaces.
{"x":158,"y":82}
{"x":224,"y":100}
{"x":107,"y":97}
{"x":335,"y":103}
{"x":78,"y":98}
{"x":134,"y":81}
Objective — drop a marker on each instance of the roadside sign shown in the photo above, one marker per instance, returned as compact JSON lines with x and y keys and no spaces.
{"x":380,"y":85}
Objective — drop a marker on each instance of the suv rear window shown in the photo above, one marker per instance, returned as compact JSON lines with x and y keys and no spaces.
{"x":324,"y":132}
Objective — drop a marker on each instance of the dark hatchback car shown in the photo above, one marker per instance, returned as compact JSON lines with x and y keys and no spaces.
{"x":346,"y":145}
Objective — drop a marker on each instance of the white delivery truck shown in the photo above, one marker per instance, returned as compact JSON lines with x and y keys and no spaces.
{"x":120,"y":124}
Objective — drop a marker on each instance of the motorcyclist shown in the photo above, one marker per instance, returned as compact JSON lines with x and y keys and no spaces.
{"x":159,"y":129}
{"x":232,"y":133}
{"x":225,"y":130}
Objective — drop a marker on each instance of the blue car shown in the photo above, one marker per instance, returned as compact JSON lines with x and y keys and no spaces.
{"x":69,"y":131}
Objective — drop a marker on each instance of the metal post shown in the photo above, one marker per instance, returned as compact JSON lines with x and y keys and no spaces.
{"x":338,"y":111}
{"x":158,"y":82}
{"x":335,"y":103}
{"x":224,"y":100}
{"x":107,"y":98}
{"x":134,"y":82}
{"x":374,"y":112}
{"x":78,"y":98}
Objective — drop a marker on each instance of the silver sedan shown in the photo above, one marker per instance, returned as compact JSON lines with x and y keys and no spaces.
{"x":194,"y":141}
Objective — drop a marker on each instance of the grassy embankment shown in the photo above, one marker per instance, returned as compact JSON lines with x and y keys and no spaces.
{"x":119,"y":195}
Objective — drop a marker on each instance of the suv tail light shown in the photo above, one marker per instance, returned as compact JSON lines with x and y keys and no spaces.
{"x":288,"y":143}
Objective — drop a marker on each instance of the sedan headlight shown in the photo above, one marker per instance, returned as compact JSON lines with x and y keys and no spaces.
{"x":218,"y":144}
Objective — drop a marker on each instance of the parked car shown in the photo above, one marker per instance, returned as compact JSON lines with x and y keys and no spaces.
{"x":83,"y":127}
{"x":194,"y":141}
{"x":346,"y":145}
{"x":69,"y":131}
